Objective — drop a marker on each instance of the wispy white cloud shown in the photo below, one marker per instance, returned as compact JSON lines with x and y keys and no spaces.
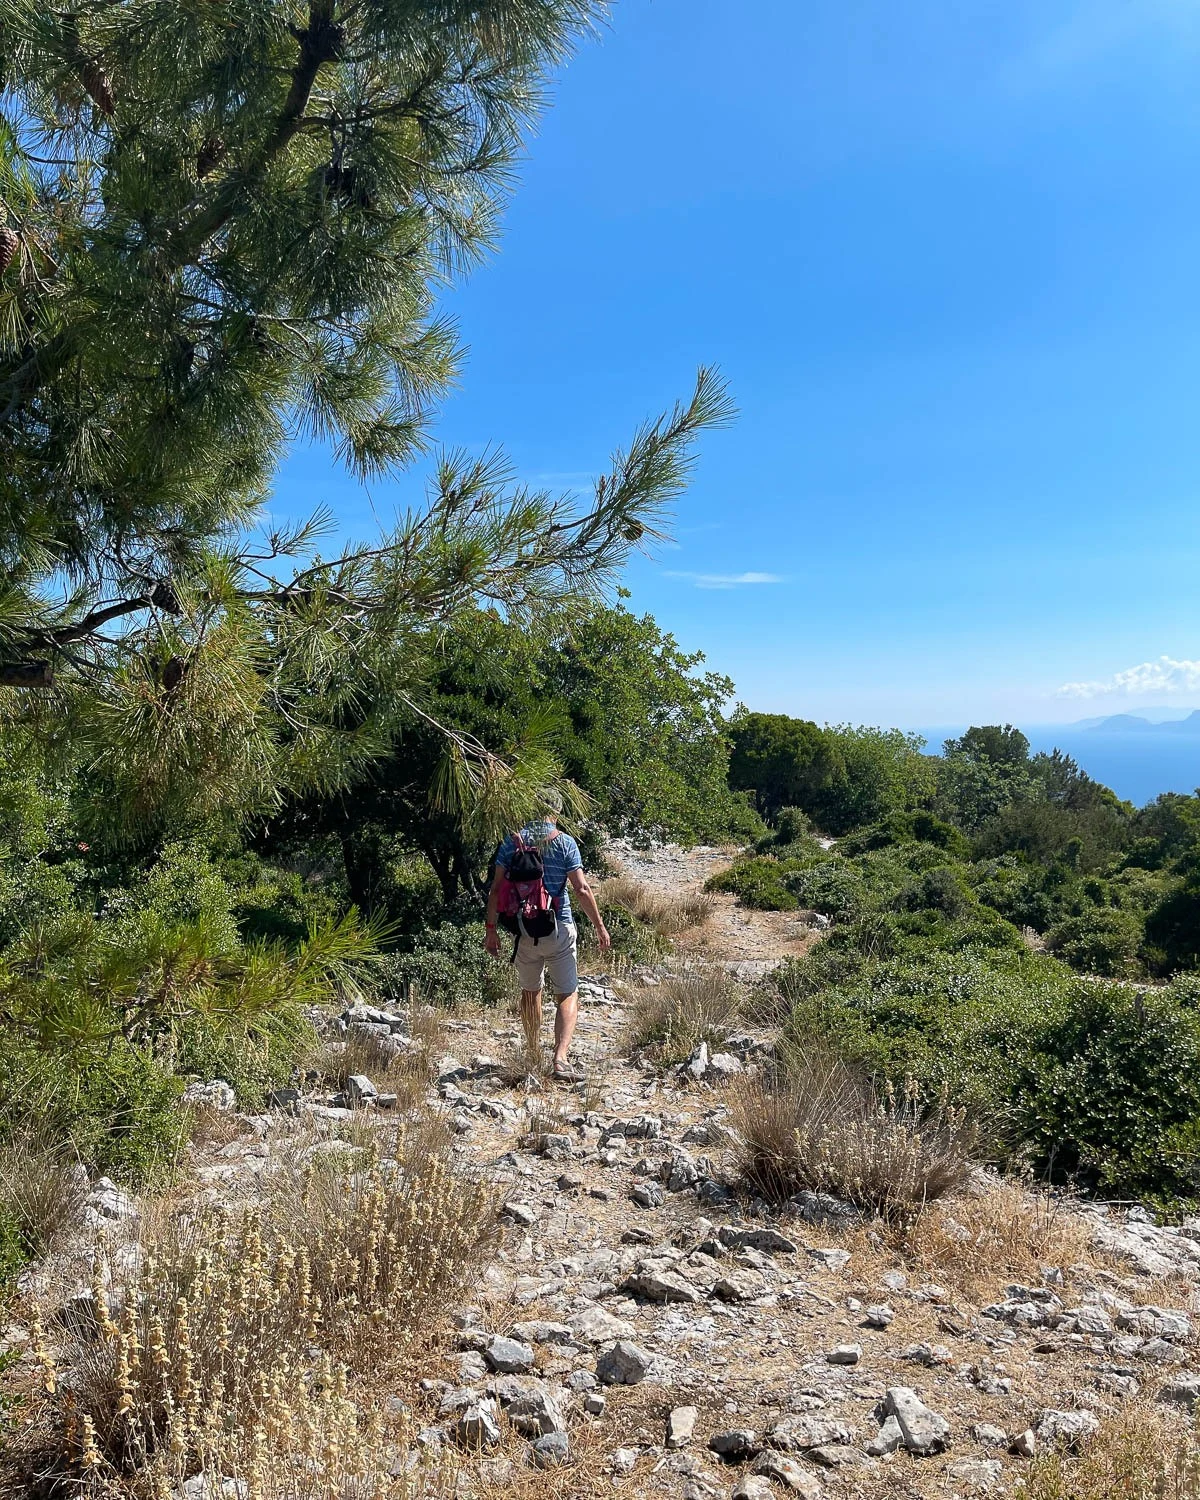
{"x":725,"y":580}
{"x":1166,"y":675}
{"x":1097,"y":28}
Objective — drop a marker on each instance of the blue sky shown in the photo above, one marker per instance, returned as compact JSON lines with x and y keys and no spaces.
{"x":948,"y":258}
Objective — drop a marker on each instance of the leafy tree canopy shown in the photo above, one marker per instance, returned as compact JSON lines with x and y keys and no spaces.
{"x":223,"y":226}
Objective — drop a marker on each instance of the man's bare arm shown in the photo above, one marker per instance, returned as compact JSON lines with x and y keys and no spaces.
{"x":491,"y":938}
{"x":591,"y":907}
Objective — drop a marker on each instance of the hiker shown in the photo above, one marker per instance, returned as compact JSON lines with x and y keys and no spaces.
{"x":536,"y":870}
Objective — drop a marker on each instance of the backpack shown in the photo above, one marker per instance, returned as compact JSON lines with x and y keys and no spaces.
{"x":523,"y":905}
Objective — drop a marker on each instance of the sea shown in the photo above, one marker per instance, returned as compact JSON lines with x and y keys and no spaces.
{"x":1139,"y":766}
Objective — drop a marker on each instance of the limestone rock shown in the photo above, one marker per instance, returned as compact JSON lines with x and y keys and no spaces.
{"x":845,"y":1354}
{"x":360,"y":1090}
{"x":734,"y":1444}
{"x":542,"y":1331}
{"x":551,"y":1450}
{"x":1066,"y":1429}
{"x":752,"y":1487}
{"x":648,"y":1194}
{"x":791,"y":1475}
{"x":797,"y":1433}
{"x":508,"y":1356}
{"x":521,"y":1213}
{"x":681,"y":1426}
{"x":215,"y":1095}
{"x":1183,"y":1390}
{"x":655,"y":1280}
{"x":478,"y":1427}
{"x":595,"y":1326}
{"x":1156,"y":1322}
{"x":886,"y":1440}
{"x":923,"y":1431}
{"x":536,"y":1412}
{"x":977,"y":1473}
{"x":770,"y":1241}
{"x":831,"y":1258}
{"x":626,"y":1363}
{"x":739,"y":1286}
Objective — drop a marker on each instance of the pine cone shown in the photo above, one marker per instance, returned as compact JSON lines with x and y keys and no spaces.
{"x":210,"y":155}
{"x":10,"y":242}
{"x":95,"y":81}
{"x":164,"y":597}
{"x":172,"y":674}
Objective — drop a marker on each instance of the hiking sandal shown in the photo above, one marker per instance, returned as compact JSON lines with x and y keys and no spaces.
{"x":565,"y":1073}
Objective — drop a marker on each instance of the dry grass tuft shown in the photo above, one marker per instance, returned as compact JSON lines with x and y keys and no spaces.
{"x":404,"y":1073}
{"x":42,"y":1188}
{"x":667,"y":913}
{"x":985,"y":1240}
{"x":1140,"y":1455}
{"x":817,"y":1125}
{"x":670,"y":1019}
{"x":543,"y":1119}
{"x":224,"y":1352}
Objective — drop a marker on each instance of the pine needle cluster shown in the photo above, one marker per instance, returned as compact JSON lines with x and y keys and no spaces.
{"x":222,"y":227}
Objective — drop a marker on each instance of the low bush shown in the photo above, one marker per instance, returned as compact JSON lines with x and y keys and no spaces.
{"x":908,"y":828}
{"x":114,"y":1107}
{"x":42,"y":1191}
{"x":225,"y":1352}
{"x":1096,"y":1084}
{"x":671,"y":1019}
{"x":448,"y":966}
{"x":819,"y":1125}
{"x":759,"y":882}
{"x":981,"y":1241}
{"x":633,"y":941}
{"x":1100,"y":941}
{"x":253,"y":1061}
{"x":832,"y":887}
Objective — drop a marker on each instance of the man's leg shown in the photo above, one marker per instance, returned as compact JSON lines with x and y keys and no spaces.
{"x":531,"y":1020}
{"x":564,"y":1026}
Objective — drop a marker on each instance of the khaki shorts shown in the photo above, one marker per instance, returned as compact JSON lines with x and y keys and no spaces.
{"x":555,"y":953}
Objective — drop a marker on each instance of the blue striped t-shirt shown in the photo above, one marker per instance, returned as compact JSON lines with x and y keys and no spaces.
{"x":559,"y":857}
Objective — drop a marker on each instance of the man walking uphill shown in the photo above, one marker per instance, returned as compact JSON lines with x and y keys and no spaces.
{"x":541,"y":919}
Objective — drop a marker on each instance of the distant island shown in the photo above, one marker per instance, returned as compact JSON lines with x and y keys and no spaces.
{"x":1188,"y":724}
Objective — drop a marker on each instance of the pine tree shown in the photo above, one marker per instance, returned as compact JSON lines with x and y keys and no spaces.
{"x":222,"y":223}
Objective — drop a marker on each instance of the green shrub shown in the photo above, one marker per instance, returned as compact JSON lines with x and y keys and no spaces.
{"x":1094,"y":1083}
{"x":1108,"y":1090}
{"x":833,"y":887}
{"x":1099,"y":941}
{"x":15,"y":1251}
{"x":634,"y":941}
{"x":448,"y":966}
{"x":791,"y":838}
{"x":280,"y":906}
{"x":942,"y":890}
{"x":1173,"y":929}
{"x":116,"y":1105}
{"x":757,"y":882}
{"x":253,"y":1062}
{"x":908,"y":828}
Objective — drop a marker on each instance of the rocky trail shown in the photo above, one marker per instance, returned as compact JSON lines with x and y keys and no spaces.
{"x":646,"y":1329}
